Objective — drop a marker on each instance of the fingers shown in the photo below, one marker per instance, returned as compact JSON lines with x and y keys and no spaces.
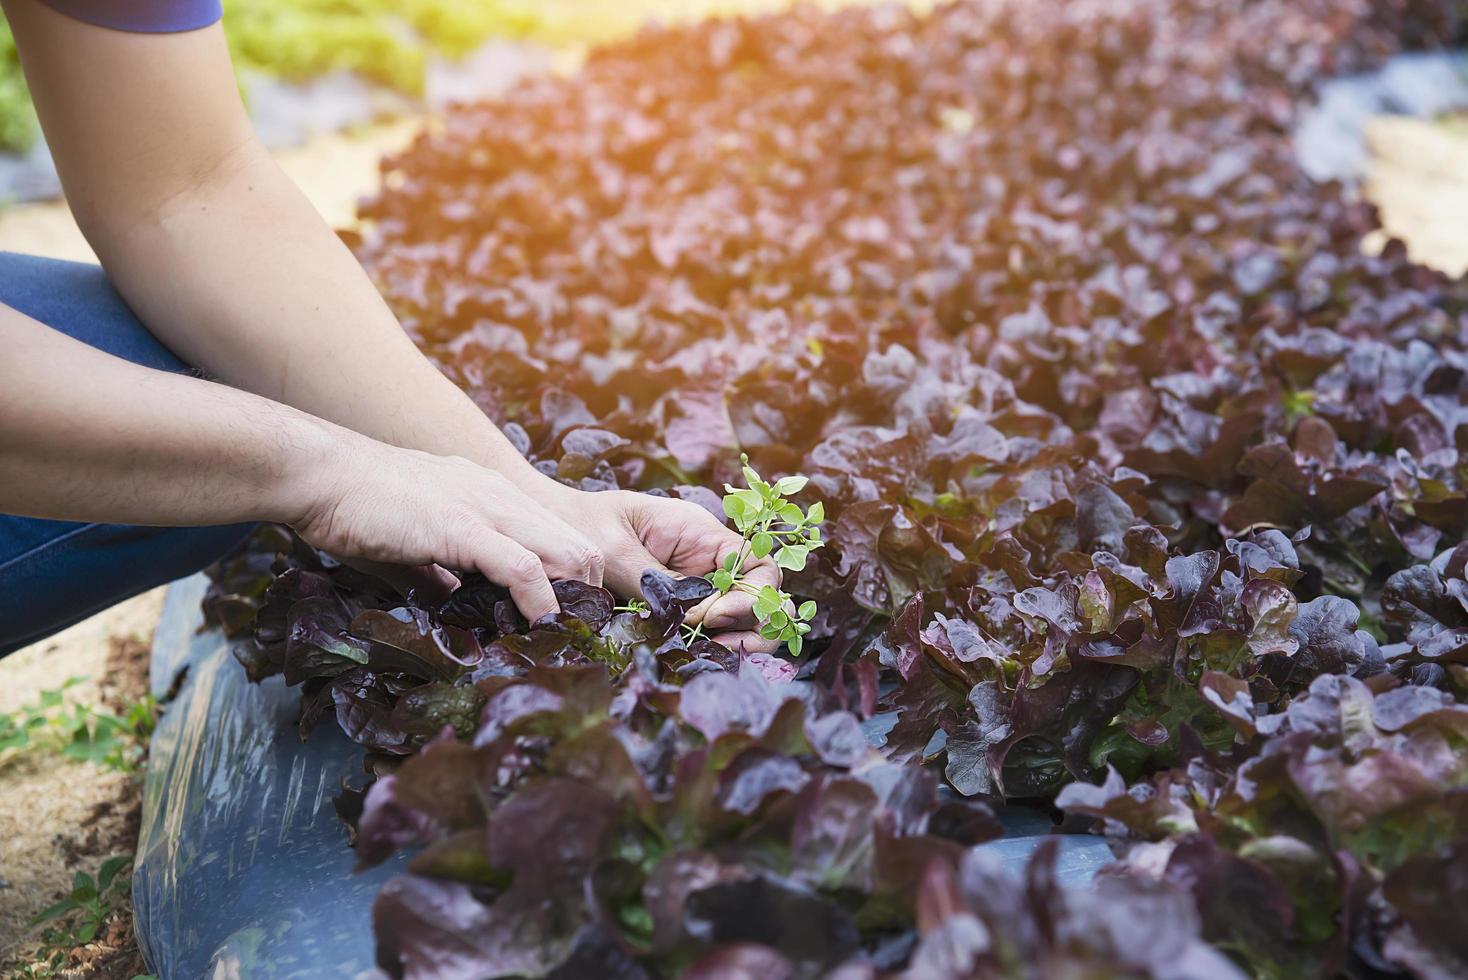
{"x":508,"y":510}
{"x":589,"y":562}
{"x":431,"y":583}
{"x":719,"y":541}
{"x":745,"y":641}
{"x":735,"y":611}
{"x":507,"y":563}
{"x":626,"y":561}
{"x":596,"y":567}
{"x":565,"y":553}
{"x":629,"y":563}
{"x":566,"y":557}
{"x":417,"y":509}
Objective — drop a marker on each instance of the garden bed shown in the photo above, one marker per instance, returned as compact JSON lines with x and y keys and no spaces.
{"x":1138,"y":472}
{"x":257,"y":881}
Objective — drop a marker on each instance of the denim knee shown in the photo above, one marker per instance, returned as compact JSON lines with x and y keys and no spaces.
{"x":77,"y":299}
{"x":89,"y":567}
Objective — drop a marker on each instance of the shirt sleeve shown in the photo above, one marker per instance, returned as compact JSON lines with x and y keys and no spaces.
{"x":142,"y":16}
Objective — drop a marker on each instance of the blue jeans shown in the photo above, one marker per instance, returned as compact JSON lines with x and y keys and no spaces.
{"x":55,"y":573}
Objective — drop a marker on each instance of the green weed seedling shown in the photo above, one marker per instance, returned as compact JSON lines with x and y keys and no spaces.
{"x":117,"y":742}
{"x":79,"y":731}
{"x":81,"y":914}
{"x":771,"y":525}
{"x":20,"y":729}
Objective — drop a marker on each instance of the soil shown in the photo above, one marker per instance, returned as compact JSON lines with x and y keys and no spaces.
{"x":58,"y":817}
{"x":1419,"y":179}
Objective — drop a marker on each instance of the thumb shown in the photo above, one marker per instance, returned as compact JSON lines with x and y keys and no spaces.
{"x":624,"y":570}
{"x":624,"y":574}
{"x":735,"y":610}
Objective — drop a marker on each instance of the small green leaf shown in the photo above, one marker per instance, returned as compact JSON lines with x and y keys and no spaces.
{"x":769,"y":632}
{"x":795,"y":644}
{"x":110,"y":868}
{"x":779,"y":619}
{"x":817,"y":513}
{"x":723,"y":580}
{"x":750,"y":507}
{"x":731,"y":561}
{"x":54,"y":911}
{"x":733,"y":506}
{"x":791,"y":557}
{"x":791,"y":485}
{"x":636,"y":918}
{"x":761,"y":544}
{"x":808,"y":609}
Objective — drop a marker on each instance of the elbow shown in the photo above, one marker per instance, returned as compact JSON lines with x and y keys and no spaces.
{"x":117,"y":210}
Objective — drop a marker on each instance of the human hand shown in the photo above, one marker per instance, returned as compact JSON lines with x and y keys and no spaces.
{"x":370,"y":502}
{"x":637,"y":531}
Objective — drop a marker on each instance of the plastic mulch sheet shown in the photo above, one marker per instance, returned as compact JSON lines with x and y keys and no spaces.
{"x":242,"y":867}
{"x":243,"y":870}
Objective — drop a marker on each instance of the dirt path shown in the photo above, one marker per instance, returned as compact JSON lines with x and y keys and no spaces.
{"x":1419,"y":179}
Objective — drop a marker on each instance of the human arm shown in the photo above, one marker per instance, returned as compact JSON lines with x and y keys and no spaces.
{"x":140,"y":446}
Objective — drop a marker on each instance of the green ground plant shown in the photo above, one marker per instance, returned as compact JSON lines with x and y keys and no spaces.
{"x":79,"y":917}
{"x":386,"y":41}
{"x":79,"y":731}
{"x":17,"y":117}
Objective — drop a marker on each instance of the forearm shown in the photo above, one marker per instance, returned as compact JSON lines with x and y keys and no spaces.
{"x":242,"y":278}
{"x":86,"y":436}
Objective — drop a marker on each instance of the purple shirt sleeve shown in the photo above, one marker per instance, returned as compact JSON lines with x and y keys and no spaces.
{"x":142,"y":16}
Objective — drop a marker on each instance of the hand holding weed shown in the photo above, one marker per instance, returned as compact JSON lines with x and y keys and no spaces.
{"x":638,"y":531}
